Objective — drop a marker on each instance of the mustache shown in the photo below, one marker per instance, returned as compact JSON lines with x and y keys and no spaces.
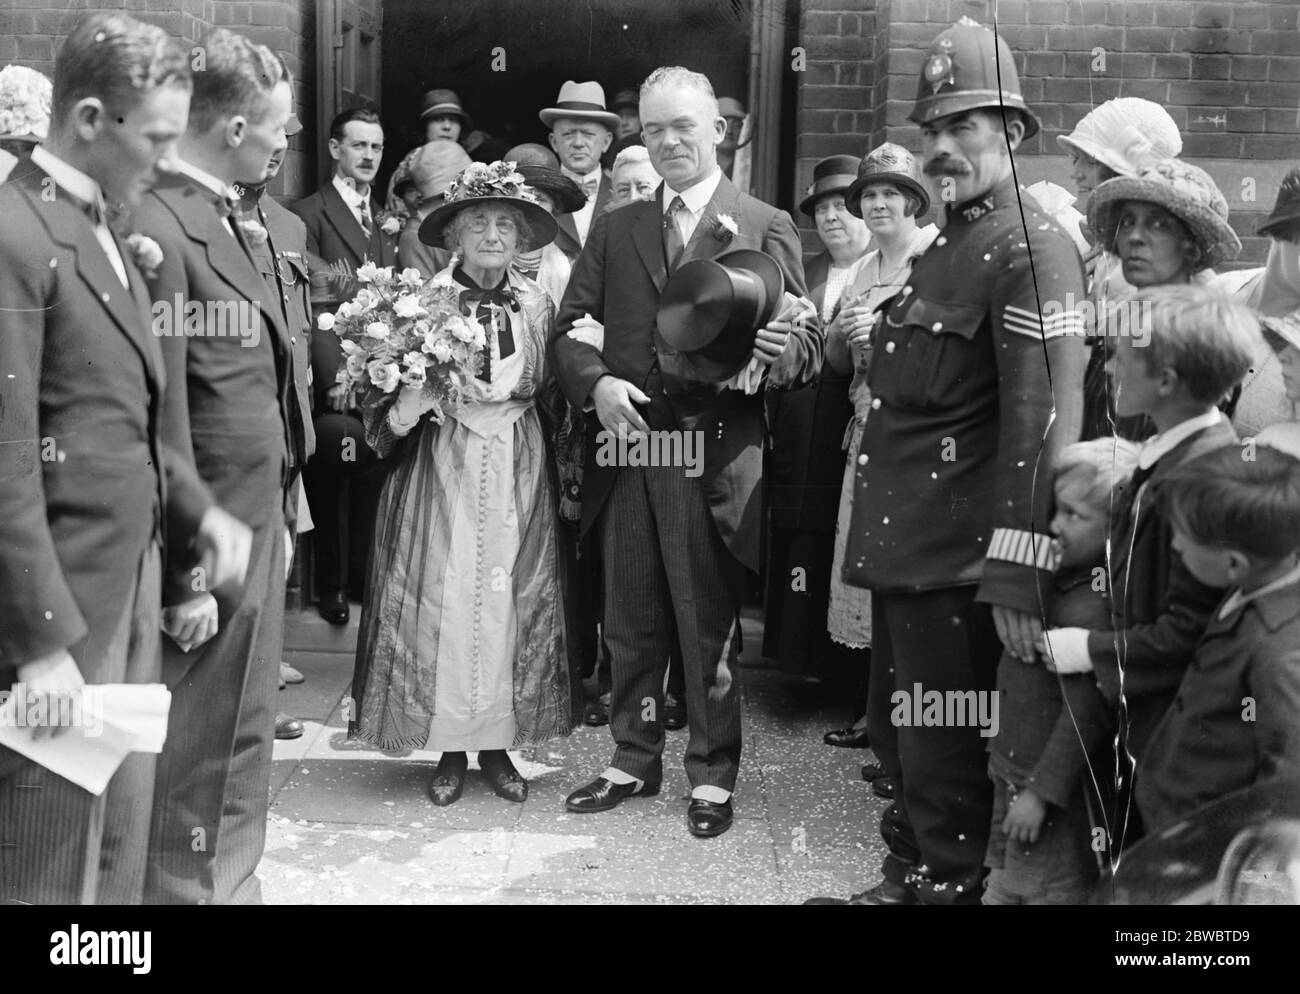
{"x":946,"y":167}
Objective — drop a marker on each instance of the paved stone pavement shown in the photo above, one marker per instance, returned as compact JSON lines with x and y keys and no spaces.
{"x":350,"y":824}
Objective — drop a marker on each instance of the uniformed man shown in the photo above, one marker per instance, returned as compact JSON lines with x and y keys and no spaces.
{"x":976,"y":382}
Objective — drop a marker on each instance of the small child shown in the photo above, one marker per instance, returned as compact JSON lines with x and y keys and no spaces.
{"x":1195,"y":346}
{"x":1043,"y":759}
{"x":1236,"y":719}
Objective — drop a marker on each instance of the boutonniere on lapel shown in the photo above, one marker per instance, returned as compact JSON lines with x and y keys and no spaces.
{"x":253,"y":231}
{"x":145,"y":253}
{"x":727,"y":227}
{"x":389,"y":223}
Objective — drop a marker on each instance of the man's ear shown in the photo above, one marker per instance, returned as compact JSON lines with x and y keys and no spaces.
{"x":609,"y":140}
{"x":234,"y":131}
{"x":335,"y":149}
{"x":89,"y":117}
{"x":554,"y":146}
{"x":1015,"y":129}
{"x":1237,"y":565}
{"x":1169,"y":381}
{"x":720,"y":129}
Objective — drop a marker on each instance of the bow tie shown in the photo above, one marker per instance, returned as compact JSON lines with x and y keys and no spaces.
{"x":473,"y":296}
{"x":590,"y":188}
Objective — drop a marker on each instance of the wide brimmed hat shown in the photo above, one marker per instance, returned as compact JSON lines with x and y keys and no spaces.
{"x":625,"y":98}
{"x":711,"y":309}
{"x":437,"y":103}
{"x":1184,"y":190}
{"x":834,"y":174}
{"x":1125,"y":134}
{"x":481,"y":184}
{"x":435,"y":165}
{"x":566,"y":195}
{"x":888,"y":163}
{"x":26,"y":97}
{"x":1287,"y":207}
{"x":961,"y":72}
{"x":581,"y":101}
{"x":1281,"y":331}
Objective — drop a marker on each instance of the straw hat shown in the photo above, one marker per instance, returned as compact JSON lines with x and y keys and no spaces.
{"x":497,"y":183}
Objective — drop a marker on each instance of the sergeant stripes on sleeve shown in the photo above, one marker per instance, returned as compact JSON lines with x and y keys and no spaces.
{"x":1023,"y":548}
{"x":1042,"y":327}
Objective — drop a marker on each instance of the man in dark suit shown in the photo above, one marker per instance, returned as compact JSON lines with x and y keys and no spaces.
{"x":345,"y":228}
{"x":581,"y":132}
{"x":230,"y":402}
{"x":87,"y":485}
{"x":675,"y":545}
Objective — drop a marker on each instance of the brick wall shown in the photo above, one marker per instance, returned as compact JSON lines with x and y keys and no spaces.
{"x":1228,"y":73}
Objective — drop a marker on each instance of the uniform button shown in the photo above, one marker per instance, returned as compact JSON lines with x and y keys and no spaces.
{"x":941,"y":240}
{"x":862,"y":459}
{"x":890,"y":346}
{"x":875,"y":404}
{"x":653,"y":350}
{"x":104,"y":297}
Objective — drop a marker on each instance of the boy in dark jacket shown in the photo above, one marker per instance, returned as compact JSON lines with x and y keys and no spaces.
{"x":1236,"y":719}
{"x":1044,"y":760}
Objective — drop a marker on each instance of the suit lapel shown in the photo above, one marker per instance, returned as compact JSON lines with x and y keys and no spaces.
{"x":345,"y":223}
{"x":648,"y":237}
{"x":706,"y":241}
{"x":570,"y":232}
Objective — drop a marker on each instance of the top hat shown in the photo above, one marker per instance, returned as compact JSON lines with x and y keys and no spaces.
{"x":1287,"y":207}
{"x":888,"y":163}
{"x":497,"y":183}
{"x":961,"y":71}
{"x":625,"y":98}
{"x":25,"y":100}
{"x":440,"y":103}
{"x":711,"y":310}
{"x":834,"y":174}
{"x":581,"y":101}
{"x":1124,"y":134}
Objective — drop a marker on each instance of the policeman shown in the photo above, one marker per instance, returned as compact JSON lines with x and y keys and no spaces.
{"x":976,"y":383}
{"x":278,"y":242}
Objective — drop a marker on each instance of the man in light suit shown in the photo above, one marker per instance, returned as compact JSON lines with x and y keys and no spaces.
{"x":676,"y":546}
{"x":229,"y":403}
{"x":88,"y":489}
{"x":581,"y":132}
{"x":345,"y":228}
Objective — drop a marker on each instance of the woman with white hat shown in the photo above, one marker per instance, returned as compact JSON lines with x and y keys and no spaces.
{"x":25,"y":99}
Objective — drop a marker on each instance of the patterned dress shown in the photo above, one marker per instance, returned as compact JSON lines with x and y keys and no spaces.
{"x":462,"y":638}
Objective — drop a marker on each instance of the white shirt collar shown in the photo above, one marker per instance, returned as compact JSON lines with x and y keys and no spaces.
{"x":697,"y":196}
{"x":220,"y":187}
{"x":1237,"y":600}
{"x":73,"y":180}
{"x":349,"y":192}
{"x":1158,"y":446}
{"x":581,"y":178}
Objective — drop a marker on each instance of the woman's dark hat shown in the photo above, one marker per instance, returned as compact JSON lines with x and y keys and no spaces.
{"x":1287,"y":208}
{"x":481,"y":184}
{"x":711,"y":310}
{"x":625,"y":98}
{"x":564,"y":193}
{"x":831,"y":175}
{"x":438,"y":103}
{"x":888,"y":163}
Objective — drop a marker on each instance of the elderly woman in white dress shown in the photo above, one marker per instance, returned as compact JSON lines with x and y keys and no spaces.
{"x":462,"y":640}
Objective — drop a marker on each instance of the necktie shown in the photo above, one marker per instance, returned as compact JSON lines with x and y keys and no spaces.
{"x":225,"y":205}
{"x":674,"y":246}
{"x":489,"y":309}
{"x":366,"y":224}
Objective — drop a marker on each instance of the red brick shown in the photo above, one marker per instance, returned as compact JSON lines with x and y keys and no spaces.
{"x":1247,"y":119}
{"x":1084,"y":39}
{"x":1213,"y":40}
{"x":1212,"y":15}
{"x":820,"y":73}
{"x":1136,"y":13}
{"x":1044,"y":64}
{"x":1026,"y":37}
{"x":1250,"y":67}
{"x":1010,"y":12}
{"x":841,"y":48}
{"x":1211,"y":66}
{"x":1280,"y":121}
{"x":1250,"y":15}
{"x":1211,"y":93}
{"x":35,"y":49}
{"x":1213,"y":119}
{"x":819,"y":23}
{"x":1174,"y":15}
{"x":1050,"y":116}
{"x":828,"y":97}
{"x":1047,"y":12}
{"x":1080,"y":90}
{"x":1283,"y":17}
{"x":1225,"y":146}
{"x":1281,"y":69}
{"x":1275,"y":42}
{"x":1087,"y":12}
{"x":896,"y":112}
{"x":1148,"y":89}
{"x":1147,"y":40}
{"x":1176,"y":66}
{"x":1272,"y":147}
{"x":1271,"y":95}
{"x":1031,"y":89}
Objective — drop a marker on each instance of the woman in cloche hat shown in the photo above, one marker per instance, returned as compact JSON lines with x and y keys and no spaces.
{"x":442,"y":118}
{"x":462,"y":640}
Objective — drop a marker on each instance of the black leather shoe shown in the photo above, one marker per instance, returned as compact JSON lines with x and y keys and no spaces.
{"x":847,"y":738}
{"x":884,"y":787}
{"x":603,"y":795}
{"x":333,"y":606}
{"x":873,"y":771}
{"x":597,"y":711}
{"x":287,"y":726}
{"x":502,"y":777}
{"x":448,"y":779}
{"x":706,"y":819}
{"x":883,"y":893}
{"x":674,"y":712}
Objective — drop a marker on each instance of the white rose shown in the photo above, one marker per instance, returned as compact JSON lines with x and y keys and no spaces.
{"x":367,"y":273}
{"x":356,"y":365}
{"x":461,"y":328}
{"x":365,"y":300}
{"x":325,"y":322}
{"x":384,"y":375}
{"x":413,"y":377}
{"x":391,"y":226}
{"x":407,"y":306}
{"x":351,"y":348}
{"x":376,"y":329}
{"x":441,"y":351}
{"x":410,"y":276}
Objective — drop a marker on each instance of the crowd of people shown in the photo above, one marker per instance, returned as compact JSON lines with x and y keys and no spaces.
{"x":1022,"y":479}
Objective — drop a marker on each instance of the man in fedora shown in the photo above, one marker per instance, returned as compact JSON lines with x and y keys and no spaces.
{"x":581,"y":132}
{"x":677,"y":545}
{"x":976,"y":381}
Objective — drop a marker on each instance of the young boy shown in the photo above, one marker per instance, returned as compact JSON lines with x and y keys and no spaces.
{"x":1044,"y":760}
{"x":1236,"y":719}
{"x":1186,"y":348}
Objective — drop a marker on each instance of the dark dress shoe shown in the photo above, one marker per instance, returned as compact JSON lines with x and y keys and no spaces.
{"x":674,"y":712}
{"x":884,"y":892}
{"x":884,"y":787}
{"x":287,"y":726}
{"x":597,"y":712}
{"x":333,"y":607}
{"x":847,"y":738}
{"x":873,"y":771}
{"x":503,"y":778}
{"x":706,"y":819}
{"x":603,"y":795}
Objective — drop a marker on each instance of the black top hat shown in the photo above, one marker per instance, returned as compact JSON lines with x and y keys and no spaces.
{"x":1287,"y":207}
{"x":711,"y":310}
{"x":834,"y":174}
{"x":438,"y":103}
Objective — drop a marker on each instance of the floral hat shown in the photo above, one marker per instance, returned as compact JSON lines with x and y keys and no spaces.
{"x":1185,"y":191}
{"x":480,"y":183}
{"x":25,"y":100}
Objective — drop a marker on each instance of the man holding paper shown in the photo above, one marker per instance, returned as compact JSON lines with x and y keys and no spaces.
{"x":675,"y":544}
{"x":87,"y":488}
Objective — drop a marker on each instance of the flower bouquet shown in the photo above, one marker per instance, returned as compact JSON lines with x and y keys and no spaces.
{"x":401,"y":331}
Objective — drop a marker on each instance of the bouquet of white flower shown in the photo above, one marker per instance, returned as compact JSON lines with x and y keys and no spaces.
{"x":400,"y":331}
